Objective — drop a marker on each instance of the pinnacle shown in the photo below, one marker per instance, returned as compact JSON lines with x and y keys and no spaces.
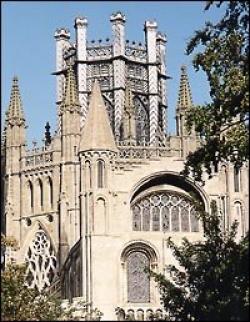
{"x":185,"y":96}
{"x":71,"y":96}
{"x":15,"y":110}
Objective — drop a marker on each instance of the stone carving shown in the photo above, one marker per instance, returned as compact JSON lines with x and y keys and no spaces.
{"x":41,"y":261}
{"x":138,"y":279}
{"x":164,"y":211}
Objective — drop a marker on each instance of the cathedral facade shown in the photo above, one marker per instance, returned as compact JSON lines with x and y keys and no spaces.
{"x":95,"y":205}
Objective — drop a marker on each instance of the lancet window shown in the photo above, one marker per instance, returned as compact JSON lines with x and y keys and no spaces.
{"x":138,"y":279}
{"x":237,"y":179}
{"x":164,"y":211}
{"x":41,"y":191}
{"x":142,"y":122}
{"x":41,"y":261}
{"x":100,"y":173}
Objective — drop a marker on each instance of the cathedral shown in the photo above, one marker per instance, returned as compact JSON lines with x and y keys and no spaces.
{"x":95,"y":204}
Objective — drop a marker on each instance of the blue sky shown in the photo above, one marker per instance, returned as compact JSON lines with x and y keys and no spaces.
{"x":28,"y":47}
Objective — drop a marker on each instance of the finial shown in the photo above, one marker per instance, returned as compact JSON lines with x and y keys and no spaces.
{"x":47,"y":134}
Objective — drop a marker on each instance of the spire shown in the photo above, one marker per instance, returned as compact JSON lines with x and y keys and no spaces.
{"x":15,"y":110}
{"x":71,"y":98}
{"x":97,"y":133}
{"x":185,"y":97}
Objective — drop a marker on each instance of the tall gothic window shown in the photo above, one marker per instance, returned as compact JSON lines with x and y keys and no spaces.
{"x":138,"y":279}
{"x":142,"y":122}
{"x":41,"y":192}
{"x":237,"y":179}
{"x":41,"y":261}
{"x":100,"y":173}
{"x":31,"y":195}
{"x":50,"y":192}
{"x":240,"y":219}
{"x":164,"y":211}
{"x":88,"y":174}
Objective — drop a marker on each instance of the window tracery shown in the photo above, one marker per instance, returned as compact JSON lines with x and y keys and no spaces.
{"x":41,"y":262}
{"x":165,"y":211}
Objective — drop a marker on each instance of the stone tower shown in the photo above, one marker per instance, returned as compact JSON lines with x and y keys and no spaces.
{"x":96,"y":203}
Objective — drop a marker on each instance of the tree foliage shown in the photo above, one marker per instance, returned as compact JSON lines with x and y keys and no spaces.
{"x":20,"y":303}
{"x":222,"y":52}
{"x":212,"y":281}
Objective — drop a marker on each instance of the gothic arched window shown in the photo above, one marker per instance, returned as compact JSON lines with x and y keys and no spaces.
{"x":164,"y":211}
{"x":138,"y":279}
{"x":240,"y":219}
{"x":141,"y":121}
{"x":237,"y":179}
{"x":136,"y":259}
{"x":41,"y":261}
{"x":100,"y":173}
{"x":88,"y":174}
{"x":40,"y":184}
{"x":30,"y":195}
{"x":50,"y":192}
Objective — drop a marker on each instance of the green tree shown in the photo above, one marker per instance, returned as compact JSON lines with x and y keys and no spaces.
{"x":212,"y":281}
{"x":20,"y":303}
{"x":222,"y":52}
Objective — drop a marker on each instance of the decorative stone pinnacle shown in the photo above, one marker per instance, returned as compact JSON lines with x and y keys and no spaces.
{"x":81,"y":22}
{"x":62,"y":33}
{"x":15,"y":110}
{"x":161,"y":37}
{"x":71,"y":98}
{"x":185,"y":96}
{"x":117,"y":16}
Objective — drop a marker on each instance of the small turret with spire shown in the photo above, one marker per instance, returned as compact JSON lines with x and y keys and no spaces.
{"x":184,"y":102}
{"x":70,"y":117}
{"x":14,"y":128}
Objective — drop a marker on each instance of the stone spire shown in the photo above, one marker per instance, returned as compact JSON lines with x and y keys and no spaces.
{"x":129,"y":127}
{"x":14,"y":114}
{"x":70,"y":99}
{"x":97,"y":133}
{"x":185,"y":97}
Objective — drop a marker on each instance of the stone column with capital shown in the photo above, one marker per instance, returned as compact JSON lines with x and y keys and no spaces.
{"x":118,"y":30}
{"x":62,"y":37}
{"x":150,"y":37}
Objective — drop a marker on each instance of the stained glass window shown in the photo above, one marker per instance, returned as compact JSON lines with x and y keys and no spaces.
{"x":165,"y":211}
{"x":138,"y":279}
